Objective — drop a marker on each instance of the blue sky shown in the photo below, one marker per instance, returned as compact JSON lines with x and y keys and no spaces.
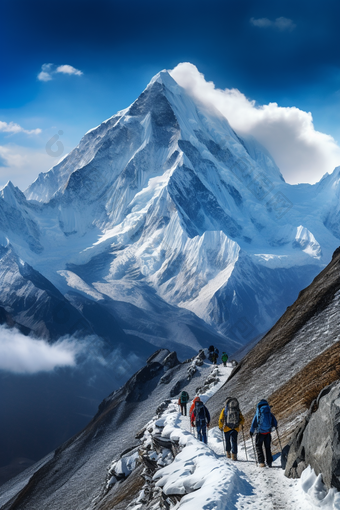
{"x":286,"y":52}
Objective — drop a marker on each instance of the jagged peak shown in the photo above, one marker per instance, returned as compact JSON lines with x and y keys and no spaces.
{"x":11,"y":193}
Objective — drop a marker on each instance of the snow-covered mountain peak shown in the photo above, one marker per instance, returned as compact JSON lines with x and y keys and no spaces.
{"x":165,"y":199}
{"x":12,"y":194}
{"x":166,"y":79}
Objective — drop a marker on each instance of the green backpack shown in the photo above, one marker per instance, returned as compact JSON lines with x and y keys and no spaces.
{"x":184,"y":397}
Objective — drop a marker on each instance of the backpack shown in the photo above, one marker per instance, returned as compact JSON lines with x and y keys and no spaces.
{"x":184,"y":397}
{"x":232,"y":413}
{"x":200,"y":415}
{"x":264,"y":417}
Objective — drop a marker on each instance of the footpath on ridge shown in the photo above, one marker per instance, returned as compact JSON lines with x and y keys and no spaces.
{"x":183,"y":473}
{"x":267,"y":488}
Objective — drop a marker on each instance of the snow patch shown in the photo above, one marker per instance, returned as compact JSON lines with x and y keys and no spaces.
{"x":317,"y":493}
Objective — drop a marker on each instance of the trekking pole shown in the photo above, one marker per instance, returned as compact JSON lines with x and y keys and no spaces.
{"x":245,"y":448}
{"x":223,"y":439}
{"x":252,"y":442}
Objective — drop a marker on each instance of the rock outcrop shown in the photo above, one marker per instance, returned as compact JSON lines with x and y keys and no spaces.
{"x":316,"y":442}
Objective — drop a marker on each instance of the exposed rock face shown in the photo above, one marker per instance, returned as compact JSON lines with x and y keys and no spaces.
{"x":316,"y":442}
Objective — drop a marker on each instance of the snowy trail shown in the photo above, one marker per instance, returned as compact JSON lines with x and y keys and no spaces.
{"x":200,"y":477}
{"x":271,"y":490}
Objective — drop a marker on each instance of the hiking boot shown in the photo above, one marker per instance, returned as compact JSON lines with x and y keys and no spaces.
{"x":261,"y":464}
{"x":228,"y":455}
{"x":233,"y":456}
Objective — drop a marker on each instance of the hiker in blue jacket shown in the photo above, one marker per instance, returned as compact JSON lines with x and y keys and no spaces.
{"x":263,"y":423}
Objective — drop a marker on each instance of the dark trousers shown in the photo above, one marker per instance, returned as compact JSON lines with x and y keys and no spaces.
{"x":264,"y":440}
{"x":184,"y":408}
{"x":231,"y":441}
{"x":202,"y":431}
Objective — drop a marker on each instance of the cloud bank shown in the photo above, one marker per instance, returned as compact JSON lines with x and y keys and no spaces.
{"x":302,"y":153}
{"x":48,"y":71}
{"x":24,"y":355}
{"x":21,"y":354}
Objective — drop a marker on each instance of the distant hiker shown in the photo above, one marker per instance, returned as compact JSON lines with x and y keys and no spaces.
{"x":231,"y":419}
{"x":214,"y":356}
{"x":224,"y":358}
{"x":262,"y":424}
{"x":192,"y":407}
{"x":200,"y":418}
{"x":183,"y":400}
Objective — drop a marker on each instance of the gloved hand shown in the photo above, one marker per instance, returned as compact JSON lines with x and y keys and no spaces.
{"x":251,"y":434}
{"x":192,"y":424}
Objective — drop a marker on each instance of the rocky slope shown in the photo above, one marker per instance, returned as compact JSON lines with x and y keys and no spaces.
{"x":76,"y":475}
{"x":296,"y":359}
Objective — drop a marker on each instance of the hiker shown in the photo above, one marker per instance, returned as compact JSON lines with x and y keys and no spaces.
{"x":224,"y":358}
{"x":231,"y":419}
{"x":214,"y":356}
{"x":182,"y":401}
{"x":262,"y":424}
{"x":200,"y":418}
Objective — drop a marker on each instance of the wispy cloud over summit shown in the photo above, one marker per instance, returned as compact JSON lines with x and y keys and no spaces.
{"x":48,"y":71}
{"x":281,"y":23}
{"x":302,"y":153}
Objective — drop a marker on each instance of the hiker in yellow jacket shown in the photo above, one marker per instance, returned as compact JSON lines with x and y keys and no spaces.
{"x":231,"y":419}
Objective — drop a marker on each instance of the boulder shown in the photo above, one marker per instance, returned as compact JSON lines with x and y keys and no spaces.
{"x":316,"y":442}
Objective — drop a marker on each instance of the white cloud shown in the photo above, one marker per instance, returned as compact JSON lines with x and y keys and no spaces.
{"x":280,"y":23}
{"x":302,"y":153}
{"x":22,"y":165}
{"x":11,"y":127}
{"x":48,"y":71}
{"x":43,"y":76}
{"x":66,"y":69}
{"x":21,"y":354}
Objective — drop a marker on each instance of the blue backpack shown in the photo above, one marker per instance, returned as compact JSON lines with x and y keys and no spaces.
{"x":200,"y":414}
{"x":264,"y":417}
